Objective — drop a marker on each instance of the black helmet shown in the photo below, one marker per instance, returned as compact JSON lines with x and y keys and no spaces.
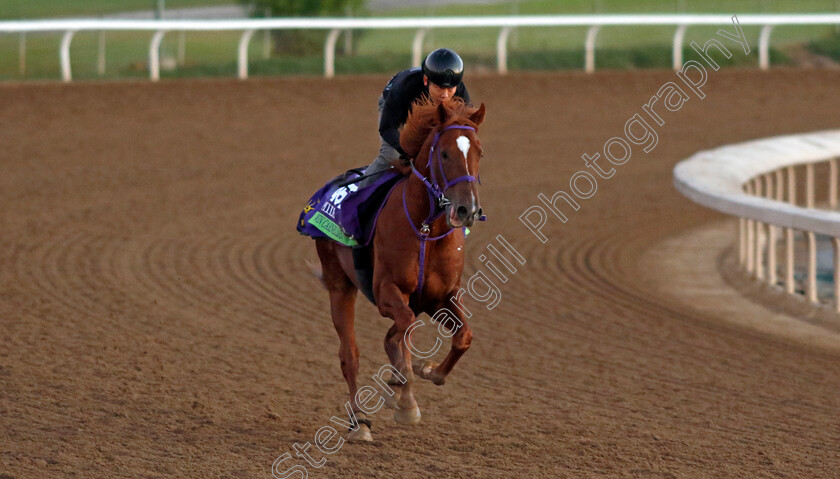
{"x":444,"y":68}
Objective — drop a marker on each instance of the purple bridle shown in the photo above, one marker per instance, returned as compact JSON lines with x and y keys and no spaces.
{"x":437,"y":199}
{"x":433,"y":187}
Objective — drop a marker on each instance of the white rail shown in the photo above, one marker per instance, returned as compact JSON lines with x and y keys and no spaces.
{"x":506,"y":24}
{"x":747,"y":180}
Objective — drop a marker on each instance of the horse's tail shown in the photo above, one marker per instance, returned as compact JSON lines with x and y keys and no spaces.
{"x":316,"y":271}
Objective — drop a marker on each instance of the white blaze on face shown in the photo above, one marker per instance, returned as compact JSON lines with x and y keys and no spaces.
{"x":463,"y":145}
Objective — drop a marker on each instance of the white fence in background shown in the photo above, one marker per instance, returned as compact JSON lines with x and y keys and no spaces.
{"x":422,"y":25}
{"x":756,"y":182}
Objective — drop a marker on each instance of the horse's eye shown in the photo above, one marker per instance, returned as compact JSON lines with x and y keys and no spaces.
{"x":444,"y":155}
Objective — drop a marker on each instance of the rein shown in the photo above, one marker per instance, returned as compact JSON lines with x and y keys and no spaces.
{"x":437,"y":200}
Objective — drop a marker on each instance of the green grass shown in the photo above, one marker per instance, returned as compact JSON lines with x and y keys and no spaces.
{"x":20,"y":9}
{"x":536,"y":7}
{"x":209,"y":53}
{"x":828,"y":46}
{"x":17,"y":9}
{"x":300,"y":65}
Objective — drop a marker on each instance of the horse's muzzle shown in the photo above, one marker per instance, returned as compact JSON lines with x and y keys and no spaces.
{"x":462,"y":215}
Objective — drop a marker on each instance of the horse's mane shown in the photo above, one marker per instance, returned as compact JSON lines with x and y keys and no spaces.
{"x":424,"y":118}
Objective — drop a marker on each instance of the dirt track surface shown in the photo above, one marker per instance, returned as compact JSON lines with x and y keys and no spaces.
{"x":157,"y":317}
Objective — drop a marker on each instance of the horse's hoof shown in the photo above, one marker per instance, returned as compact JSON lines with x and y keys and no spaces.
{"x":424,"y":368}
{"x":407,"y":417}
{"x":427,"y":370}
{"x":360,"y":434}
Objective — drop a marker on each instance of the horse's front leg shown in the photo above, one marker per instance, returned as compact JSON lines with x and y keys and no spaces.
{"x":393,"y":304}
{"x":461,"y":340}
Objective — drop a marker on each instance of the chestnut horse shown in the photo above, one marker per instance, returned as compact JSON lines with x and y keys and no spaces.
{"x":417,"y":260}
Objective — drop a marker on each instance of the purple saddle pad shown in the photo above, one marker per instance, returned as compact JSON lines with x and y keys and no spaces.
{"x":345,"y":212}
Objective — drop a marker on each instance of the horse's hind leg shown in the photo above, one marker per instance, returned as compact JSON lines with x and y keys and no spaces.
{"x":342,"y":293}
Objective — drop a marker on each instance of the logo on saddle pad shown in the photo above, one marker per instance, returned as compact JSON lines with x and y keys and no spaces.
{"x":328,"y":210}
{"x":341,"y":193}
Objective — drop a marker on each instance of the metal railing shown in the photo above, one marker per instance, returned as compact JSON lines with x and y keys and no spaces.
{"x":422,"y":25}
{"x":756,"y":182}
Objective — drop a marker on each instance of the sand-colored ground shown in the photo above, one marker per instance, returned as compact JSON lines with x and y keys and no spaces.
{"x":157,"y":317}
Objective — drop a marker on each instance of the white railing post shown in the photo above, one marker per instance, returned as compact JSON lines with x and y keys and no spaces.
{"x":154,"y":55}
{"x":791,"y":174}
{"x":501,"y":49}
{"x":771,"y":235}
{"x":832,"y":183}
{"x":809,"y":185}
{"x":417,"y":47}
{"x":182,"y":47}
{"x":772,"y":274}
{"x":100,"y":62}
{"x":329,"y":53}
{"x":759,"y":250}
{"x":780,"y":185}
{"x":789,"y":240}
{"x":811,"y":289}
{"x":750,"y":233}
{"x":348,"y":42}
{"x":66,"y":72}
{"x":764,"y":47}
{"x":242,"y":56}
{"x":591,"y":36}
{"x":266,"y":45}
{"x":22,"y":53}
{"x":835,"y":242}
{"x":789,"y":264}
{"x":678,"y":47}
{"x":759,"y":237}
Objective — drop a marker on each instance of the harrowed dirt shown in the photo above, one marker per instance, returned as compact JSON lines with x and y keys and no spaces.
{"x":158,"y":317}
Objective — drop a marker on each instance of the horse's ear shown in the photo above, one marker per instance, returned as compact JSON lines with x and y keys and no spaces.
{"x":478,"y":116}
{"x":442,"y":114}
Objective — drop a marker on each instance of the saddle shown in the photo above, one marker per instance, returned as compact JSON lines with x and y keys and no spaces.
{"x":347,"y":214}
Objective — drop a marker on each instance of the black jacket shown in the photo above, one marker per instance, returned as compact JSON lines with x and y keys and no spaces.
{"x":399,"y":94}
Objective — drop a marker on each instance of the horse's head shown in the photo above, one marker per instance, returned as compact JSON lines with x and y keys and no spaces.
{"x":450,"y":159}
{"x":458,"y":152}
